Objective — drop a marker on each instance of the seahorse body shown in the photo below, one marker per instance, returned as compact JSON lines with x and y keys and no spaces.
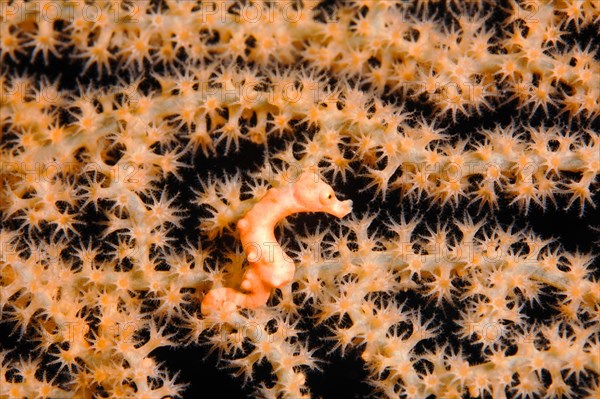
{"x":269,"y":266}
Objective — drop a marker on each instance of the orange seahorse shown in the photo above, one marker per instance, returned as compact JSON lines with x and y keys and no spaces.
{"x":269,"y":266}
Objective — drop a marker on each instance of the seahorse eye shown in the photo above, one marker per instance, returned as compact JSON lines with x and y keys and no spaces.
{"x":326,"y":196}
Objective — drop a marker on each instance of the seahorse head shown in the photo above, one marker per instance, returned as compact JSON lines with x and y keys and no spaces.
{"x":311,"y":192}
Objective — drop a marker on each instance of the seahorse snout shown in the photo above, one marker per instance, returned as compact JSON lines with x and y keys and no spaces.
{"x":340,"y":208}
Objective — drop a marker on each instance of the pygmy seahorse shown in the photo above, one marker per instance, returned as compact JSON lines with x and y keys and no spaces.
{"x":269,"y":266}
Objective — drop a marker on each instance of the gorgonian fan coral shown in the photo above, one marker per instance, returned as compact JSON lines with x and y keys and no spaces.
{"x":137,"y":134}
